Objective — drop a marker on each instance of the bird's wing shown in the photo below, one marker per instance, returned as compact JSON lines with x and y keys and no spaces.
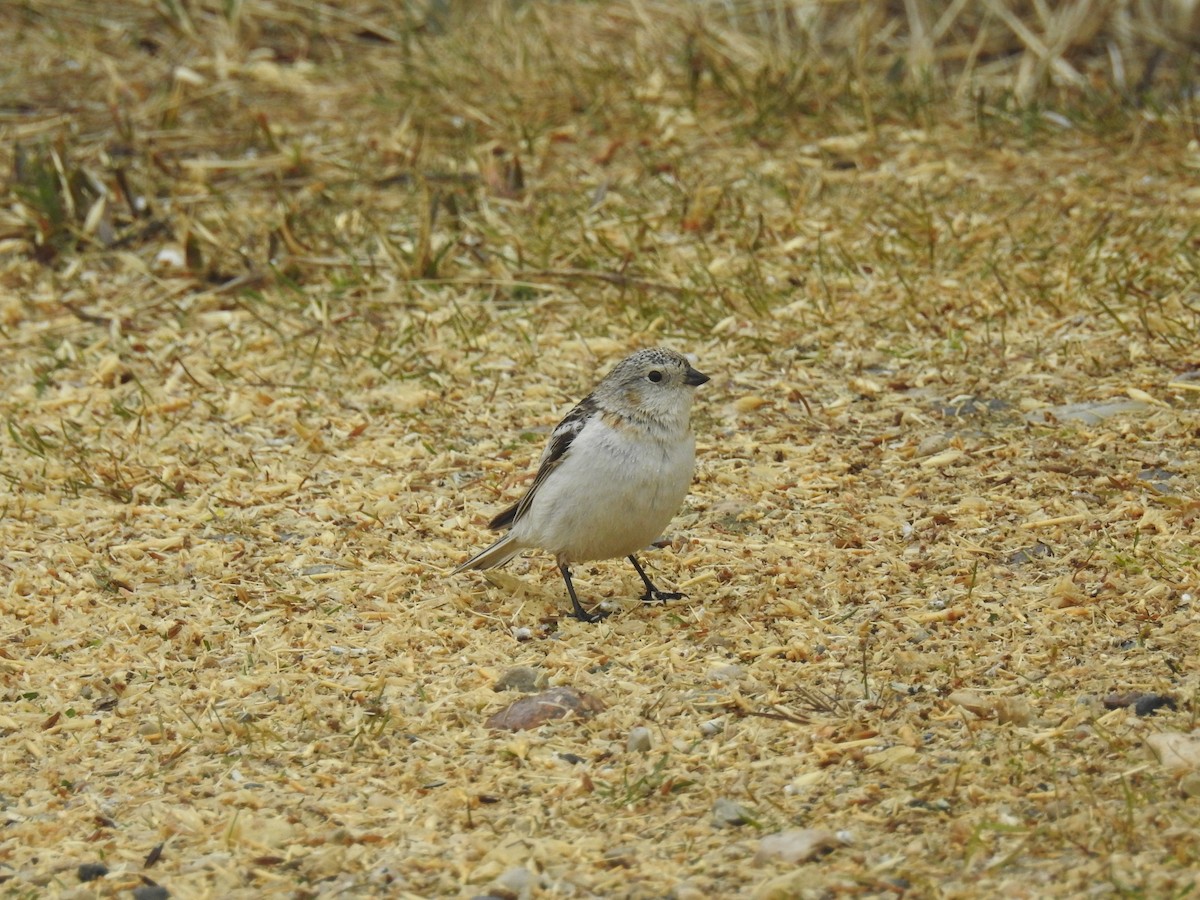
{"x":561,"y":438}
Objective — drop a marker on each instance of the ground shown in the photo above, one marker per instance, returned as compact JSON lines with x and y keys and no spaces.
{"x":290,"y":297}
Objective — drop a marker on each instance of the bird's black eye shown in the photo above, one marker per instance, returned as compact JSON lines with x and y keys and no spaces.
{"x":655,"y":376}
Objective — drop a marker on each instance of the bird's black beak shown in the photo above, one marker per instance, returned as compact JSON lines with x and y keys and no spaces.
{"x":694,"y":378}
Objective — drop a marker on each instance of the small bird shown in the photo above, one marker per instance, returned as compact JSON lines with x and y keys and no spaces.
{"x":615,"y":471}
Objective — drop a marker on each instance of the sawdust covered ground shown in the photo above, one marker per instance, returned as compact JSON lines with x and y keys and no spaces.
{"x":289,"y":304}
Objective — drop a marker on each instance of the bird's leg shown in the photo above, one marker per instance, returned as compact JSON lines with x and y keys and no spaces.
{"x":652,"y":594}
{"x":580,"y":613}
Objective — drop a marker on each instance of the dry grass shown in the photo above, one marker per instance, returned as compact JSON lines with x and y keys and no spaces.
{"x":292,"y":292}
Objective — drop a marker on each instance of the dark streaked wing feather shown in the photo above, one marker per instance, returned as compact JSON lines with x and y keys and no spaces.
{"x":561,"y":439}
{"x":504,"y":519}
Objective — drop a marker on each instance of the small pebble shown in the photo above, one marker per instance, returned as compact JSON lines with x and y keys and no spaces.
{"x":685,"y":890}
{"x":639,"y":740}
{"x":1013,"y":709}
{"x":974,"y":702}
{"x":797,"y":845}
{"x":935,"y":443}
{"x":967,"y":405}
{"x":712,"y":728}
{"x":729,"y":812}
{"x":1029,"y":554}
{"x":170,"y":259}
{"x":622,"y":857}
{"x":730,"y":673}
{"x":1189,"y":784}
{"x":516,"y":882}
{"x":523,"y":633}
{"x":91,"y":871}
{"x":1149,"y":704}
{"x":1089,"y":413}
{"x":151,"y":892}
{"x":525,"y":679}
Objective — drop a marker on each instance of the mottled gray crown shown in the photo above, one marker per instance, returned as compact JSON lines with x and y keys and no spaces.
{"x":636,"y":365}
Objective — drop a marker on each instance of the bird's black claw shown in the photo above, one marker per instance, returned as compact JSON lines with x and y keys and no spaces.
{"x":662,"y":596}
{"x":595,"y":616}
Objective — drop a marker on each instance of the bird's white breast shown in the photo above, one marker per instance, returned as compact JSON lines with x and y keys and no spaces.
{"x":613,"y":493}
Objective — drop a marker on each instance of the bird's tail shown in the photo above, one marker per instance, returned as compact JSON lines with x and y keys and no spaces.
{"x":496,"y":555}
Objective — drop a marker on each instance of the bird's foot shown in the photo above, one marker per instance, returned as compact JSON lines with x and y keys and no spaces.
{"x":577,"y":609}
{"x":594,"y":616}
{"x":657,"y":596}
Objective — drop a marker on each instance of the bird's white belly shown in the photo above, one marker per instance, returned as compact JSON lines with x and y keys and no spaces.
{"x":611,"y":496}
